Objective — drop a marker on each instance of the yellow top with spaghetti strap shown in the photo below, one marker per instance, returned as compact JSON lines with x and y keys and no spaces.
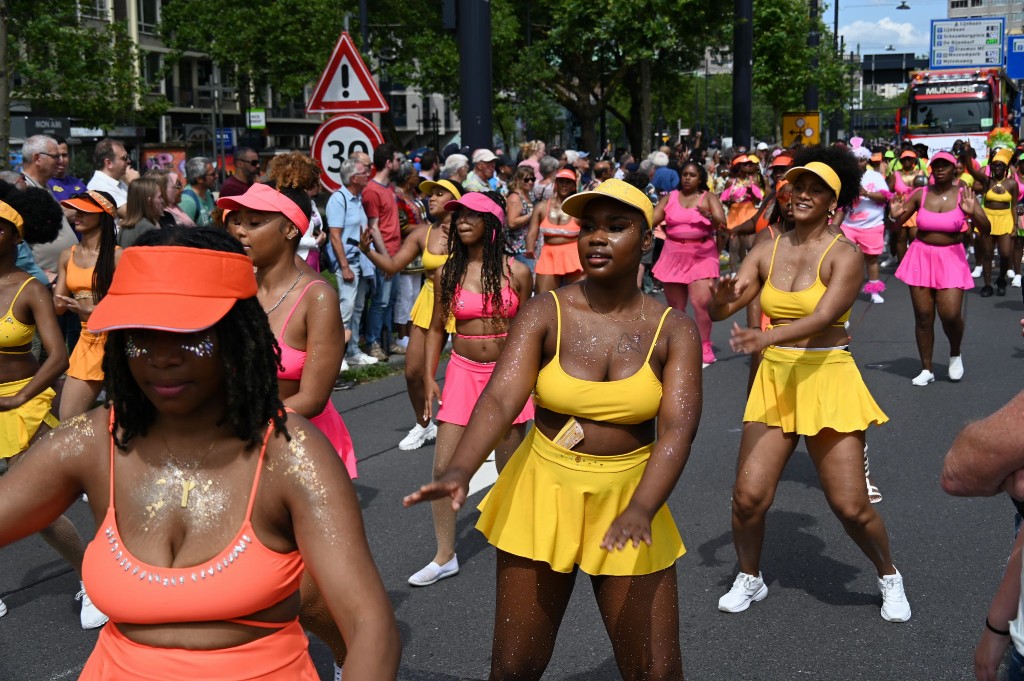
{"x":14,"y":333}
{"x":630,"y":400}
{"x":431,"y":261}
{"x":778,"y":304}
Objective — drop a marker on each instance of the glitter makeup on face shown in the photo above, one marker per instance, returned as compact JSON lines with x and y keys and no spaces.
{"x":202,"y":347}
{"x":131,"y":350}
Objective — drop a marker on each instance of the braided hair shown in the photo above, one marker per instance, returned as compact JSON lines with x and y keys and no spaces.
{"x":248,"y":349}
{"x":103,"y":272}
{"x":491,"y":272}
{"x":41,"y":214}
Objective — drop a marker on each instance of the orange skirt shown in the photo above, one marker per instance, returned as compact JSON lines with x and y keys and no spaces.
{"x":86,"y":362}
{"x":559,"y":259}
{"x":740,"y":213}
{"x":281,"y":656}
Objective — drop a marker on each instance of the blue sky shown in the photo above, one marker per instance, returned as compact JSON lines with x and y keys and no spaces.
{"x":876,"y":24}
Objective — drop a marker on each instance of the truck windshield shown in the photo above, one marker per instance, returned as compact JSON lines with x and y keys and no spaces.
{"x":971,"y":115}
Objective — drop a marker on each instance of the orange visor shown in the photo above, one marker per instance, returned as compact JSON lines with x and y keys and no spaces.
{"x":90,"y":202}
{"x":173,"y":288}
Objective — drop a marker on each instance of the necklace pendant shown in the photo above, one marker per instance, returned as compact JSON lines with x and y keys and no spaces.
{"x":186,"y":487}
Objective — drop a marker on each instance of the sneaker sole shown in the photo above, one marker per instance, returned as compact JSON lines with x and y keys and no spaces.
{"x":435,"y":580}
{"x":894,"y":619}
{"x":410,"y":447}
{"x":761,"y":594}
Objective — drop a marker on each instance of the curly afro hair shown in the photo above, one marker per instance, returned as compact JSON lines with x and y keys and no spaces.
{"x":41,"y":213}
{"x":293,"y":170}
{"x":842,"y":162}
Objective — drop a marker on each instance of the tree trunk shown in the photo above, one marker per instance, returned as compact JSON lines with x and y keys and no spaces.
{"x":588,"y":130}
{"x":646,"y":131}
{"x":5,"y":90}
{"x":639,"y":129}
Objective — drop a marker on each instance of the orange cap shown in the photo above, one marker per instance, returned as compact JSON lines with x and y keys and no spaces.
{"x":173,"y":288}
{"x":565,"y":174}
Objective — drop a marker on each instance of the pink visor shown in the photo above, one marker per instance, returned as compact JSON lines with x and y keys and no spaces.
{"x":942,"y":156}
{"x":267,"y":200}
{"x":478,"y":202}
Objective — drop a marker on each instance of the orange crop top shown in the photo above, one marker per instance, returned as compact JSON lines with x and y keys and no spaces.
{"x":631,"y":400}
{"x":15,"y":333}
{"x":78,"y":279}
{"x":778,"y":304}
{"x":244,"y":578}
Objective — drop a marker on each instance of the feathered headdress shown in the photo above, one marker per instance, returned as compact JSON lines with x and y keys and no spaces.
{"x":1000,"y":138}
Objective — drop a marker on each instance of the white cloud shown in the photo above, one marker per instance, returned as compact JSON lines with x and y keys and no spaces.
{"x":875,"y":36}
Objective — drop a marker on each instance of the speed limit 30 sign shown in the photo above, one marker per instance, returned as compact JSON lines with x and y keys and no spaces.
{"x":337,"y":139}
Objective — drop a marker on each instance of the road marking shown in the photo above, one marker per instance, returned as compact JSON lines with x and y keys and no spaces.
{"x":484,"y":477}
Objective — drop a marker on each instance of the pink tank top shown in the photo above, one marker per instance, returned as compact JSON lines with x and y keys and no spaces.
{"x":685,"y":224}
{"x":952,"y":221}
{"x":293,"y":361}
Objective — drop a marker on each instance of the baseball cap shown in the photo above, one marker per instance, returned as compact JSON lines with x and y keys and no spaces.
{"x":620,"y":191}
{"x":782,"y":160}
{"x":484,"y":156}
{"x":173,"y":288}
{"x":819,"y":169}
{"x":478,"y":202}
{"x":565,"y":174}
{"x":266,"y":199}
{"x":428,"y":186}
{"x":761,"y":146}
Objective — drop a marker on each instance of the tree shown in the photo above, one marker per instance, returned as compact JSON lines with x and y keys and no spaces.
{"x":51,"y":59}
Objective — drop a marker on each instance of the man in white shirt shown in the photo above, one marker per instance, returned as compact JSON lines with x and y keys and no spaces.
{"x":111,"y":163}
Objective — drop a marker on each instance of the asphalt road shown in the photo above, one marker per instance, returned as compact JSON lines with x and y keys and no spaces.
{"x":821,"y":618}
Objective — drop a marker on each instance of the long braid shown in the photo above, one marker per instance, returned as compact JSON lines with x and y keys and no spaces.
{"x":247,"y":347}
{"x":103,"y":273}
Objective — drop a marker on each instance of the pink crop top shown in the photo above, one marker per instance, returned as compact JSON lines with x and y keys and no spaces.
{"x":469,"y":305}
{"x":293,"y":361}
{"x":952,"y":221}
{"x":244,"y":578}
{"x":686,"y":224}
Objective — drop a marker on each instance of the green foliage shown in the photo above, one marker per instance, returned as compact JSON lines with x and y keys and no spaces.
{"x":66,"y":67}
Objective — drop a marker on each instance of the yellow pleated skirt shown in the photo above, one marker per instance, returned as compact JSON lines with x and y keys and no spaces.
{"x":555,"y":505}
{"x":1002,"y":220}
{"x":19,"y":426}
{"x":803,"y":391}
{"x":423,"y":309}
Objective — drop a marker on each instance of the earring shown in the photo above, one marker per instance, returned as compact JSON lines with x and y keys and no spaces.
{"x":831,"y":215}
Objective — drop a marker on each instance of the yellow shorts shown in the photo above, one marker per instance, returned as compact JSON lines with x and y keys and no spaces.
{"x":803,"y":391}
{"x":1002,"y":220}
{"x":19,"y":426}
{"x":555,"y":505}
{"x":86,"y":362}
{"x":423,"y":308}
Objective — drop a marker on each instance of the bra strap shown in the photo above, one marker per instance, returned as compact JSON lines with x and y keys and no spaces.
{"x":259,"y":469}
{"x":772,"y":263}
{"x":296,"y":304}
{"x":657,"y":333}
{"x":21,"y":288}
{"x":558,"y":327}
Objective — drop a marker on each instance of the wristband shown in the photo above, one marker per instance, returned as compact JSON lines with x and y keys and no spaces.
{"x":999,"y":632}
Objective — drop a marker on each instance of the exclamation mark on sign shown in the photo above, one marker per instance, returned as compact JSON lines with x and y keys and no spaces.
{"x":344,"y":81}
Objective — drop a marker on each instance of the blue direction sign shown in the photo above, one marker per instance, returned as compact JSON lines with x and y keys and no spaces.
{"x":1015,"y":57}
{"x":960,"y":43}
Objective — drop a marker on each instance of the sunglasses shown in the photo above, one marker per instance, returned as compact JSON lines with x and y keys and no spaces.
{"x":529,"y":179}
{"x":255,"y":163}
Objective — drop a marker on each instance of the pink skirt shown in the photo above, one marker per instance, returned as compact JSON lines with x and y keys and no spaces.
{"x":935,"y":267}
{"x":330,"y":424}
{"x":684,"y":262}
{"x":464,"y":382}
{"x":559,"y":259}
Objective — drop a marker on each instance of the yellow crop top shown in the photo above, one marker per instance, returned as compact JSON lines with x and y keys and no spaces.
{"x":630,"y":400}
{"x":992,"y":195}
{"x":778,"y":304}
{"x":13,"y":333}
{"x":431,"y":261}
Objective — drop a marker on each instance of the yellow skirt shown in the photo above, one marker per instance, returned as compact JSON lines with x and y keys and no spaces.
{"x":555,"y":505}
{"x":19,"y":426}
{"x":1001,"y":219}
{"x":86,"y":362}
{"x":423,"y":309}
{"x":803,"y":391}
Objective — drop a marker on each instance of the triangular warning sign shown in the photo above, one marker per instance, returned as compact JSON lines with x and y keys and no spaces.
{"x":346,"y":84}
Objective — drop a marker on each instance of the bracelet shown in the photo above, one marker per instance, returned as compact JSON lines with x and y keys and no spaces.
{"x":1000,"y":632}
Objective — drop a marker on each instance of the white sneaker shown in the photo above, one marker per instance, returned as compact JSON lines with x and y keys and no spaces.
{"x":337,"y":672}
{"x":1016,"y":281}
{"x":895,"y":607}
{"x":344,"y":364}
{"x":434,"y":572}
{"x":91,"y":615}
{"x":956,"y":368}
{"x":745,"y":590}
{"x":3,"y":609}
{"x":976,"y":272}
{"x":923,"y":378}
{"x":419,"y":436}
{"x":1010,"y":274}
{"x":360,"y":358}
{"x":877,"y":298}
